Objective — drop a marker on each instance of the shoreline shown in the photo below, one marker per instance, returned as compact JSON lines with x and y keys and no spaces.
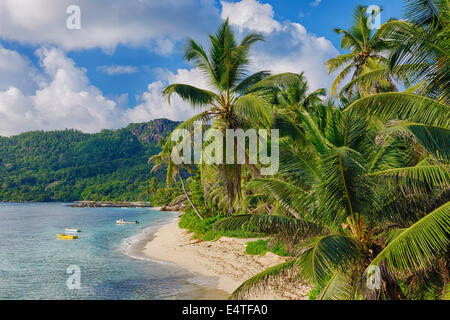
{"x":223,"y":260}
{"x":112,"y":204}
{"x":206,"y":286}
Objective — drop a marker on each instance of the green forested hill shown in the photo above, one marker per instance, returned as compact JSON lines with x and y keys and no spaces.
{"x":70,"y":165}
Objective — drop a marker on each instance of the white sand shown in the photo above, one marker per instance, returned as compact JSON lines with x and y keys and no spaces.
{"x":224,"y":259}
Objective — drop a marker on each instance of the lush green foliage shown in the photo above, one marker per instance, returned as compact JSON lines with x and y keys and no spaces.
{"x":204,"y":230}
{"x":364,"y":179}
{"x":70,"y":165}
{"x":260,"y":247}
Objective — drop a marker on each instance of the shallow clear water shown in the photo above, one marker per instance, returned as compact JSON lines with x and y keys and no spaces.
{"x":33,"y":262}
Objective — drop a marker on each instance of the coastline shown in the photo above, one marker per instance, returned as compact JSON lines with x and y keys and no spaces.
{"x":223,"y":260}
{"x":205,"y":286}
{"x":112,"y":204}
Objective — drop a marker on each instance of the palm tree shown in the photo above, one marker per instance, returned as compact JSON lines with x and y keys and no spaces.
{"x":365,"y":59}
{"x":370,"y":183}
{"x":231,"y":104}
{"x":172,"y":172}
{"x":420,"y":50}
{"x":351,"y":196}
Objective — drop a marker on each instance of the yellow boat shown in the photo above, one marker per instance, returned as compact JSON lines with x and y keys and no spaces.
{"x":66,"y":236}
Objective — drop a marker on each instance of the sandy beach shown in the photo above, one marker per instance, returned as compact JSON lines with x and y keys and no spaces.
{"x":224,"y":259}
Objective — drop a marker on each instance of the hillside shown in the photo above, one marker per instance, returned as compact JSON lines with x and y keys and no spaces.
{"x":70,"y":165}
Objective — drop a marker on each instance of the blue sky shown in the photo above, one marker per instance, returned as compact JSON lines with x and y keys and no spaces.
{"x":110,"y":72}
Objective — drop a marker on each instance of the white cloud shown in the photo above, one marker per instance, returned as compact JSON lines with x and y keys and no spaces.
{"x":250,"y":14}
{"x":107,"y":23}
{"x":64,"y":99}
{"x":315,"y":3}
{"x":115,"y":69}
{"x":289,"y":47}
{"x":60,"y":95}
{"x":17,"y":71}
{"x":154,"y":106}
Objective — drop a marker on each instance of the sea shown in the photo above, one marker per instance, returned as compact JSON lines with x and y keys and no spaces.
{"x":104,"y":263}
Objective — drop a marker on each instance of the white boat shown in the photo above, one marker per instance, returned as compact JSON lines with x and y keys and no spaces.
{"x":72,"y":230}
{"x":121,"y":221}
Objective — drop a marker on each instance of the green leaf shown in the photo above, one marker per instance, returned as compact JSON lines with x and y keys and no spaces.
{"x":404,"y":106}
{"x":420,"y":244}
{"x":195,"y":96}
{"x":419,"y":176}
{"x":270,"y":224}
{"x":324,"y":255}
{"x":262,"y":278}
{"x":340,"y":287}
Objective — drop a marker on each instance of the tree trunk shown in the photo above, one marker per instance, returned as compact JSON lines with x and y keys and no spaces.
{"x":189,"y":199}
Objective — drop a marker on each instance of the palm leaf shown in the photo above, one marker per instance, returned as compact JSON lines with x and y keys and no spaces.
{"x":418,"y":245}
{"x":251,"y":81}
{"x":404,"y":106}
{"x":434,"y":139}
{"x":340,"y":287}
{"x":429,"y":175}
{"x":254,"y":108}
{"x":195,"y":96}
{"x":275,"y":81}
{"x":262,"y":279}
{"x":270,"y":224}
{"x":338,"y":62}
{"x":323,"y":255}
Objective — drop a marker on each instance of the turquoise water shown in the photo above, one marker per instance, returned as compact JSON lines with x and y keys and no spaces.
{"x":33,"y":262}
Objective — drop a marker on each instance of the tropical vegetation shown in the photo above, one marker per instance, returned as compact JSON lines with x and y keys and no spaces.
{"x":70,"y":165}
{"x":363,"y":188}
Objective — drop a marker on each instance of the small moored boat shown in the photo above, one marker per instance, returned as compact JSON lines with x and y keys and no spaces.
{"x":72,"y":230}
{"x":66,"y":236}
{"x":121,"y":221}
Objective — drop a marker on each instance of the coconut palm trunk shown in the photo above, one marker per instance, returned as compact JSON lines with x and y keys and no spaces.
{"x":189,"y":198}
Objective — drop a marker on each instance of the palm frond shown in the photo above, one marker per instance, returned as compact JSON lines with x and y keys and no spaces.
{"x":340,"y":287}
{"x":417,"y":246}
{"x":435,"y":140}
{"x":323,"y":255}
{"x":262,"y":279}
{"x":417,"y":177}
{"x":195,"y":52}
{"x":254,"y":108}
{"x":251,"y":81}
{"x":338,"y":62}
{"x":195,"y":96}
{"x":341,"y":76}
{"x":404,"y":106}
{"x":277,"y":80}
{"x":271,"y":224}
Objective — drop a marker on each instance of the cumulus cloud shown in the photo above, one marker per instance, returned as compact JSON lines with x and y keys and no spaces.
{"x":17,"y":71}
{"x":64,"y":99}
{"x":315,"y":3}
{"x":115,"y":69}
{"x":250,"y":14}
{"x":154,"y":106}
{"x":289,"y":46}
{"x":57,"y":94}
{"x":107,"y":23}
